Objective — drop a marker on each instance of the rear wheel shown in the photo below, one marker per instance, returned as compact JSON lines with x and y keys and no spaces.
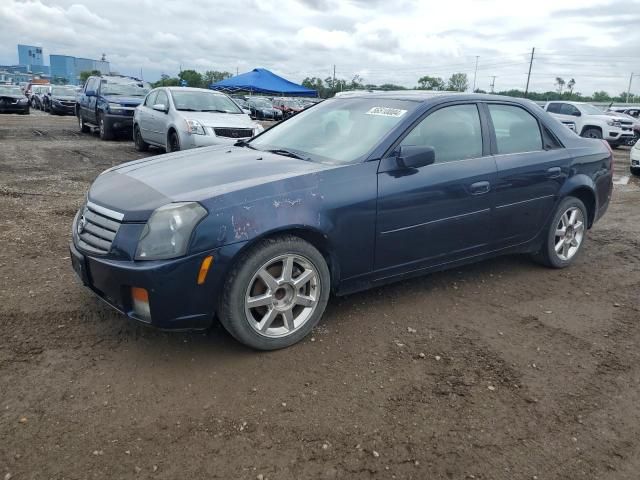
{"x":106,"y":133}
{"x":565,"y":234}
{"x":276,"y":293}
{"x":592,"y":133}
{"x":33,"y":102}
{"x":141,"y":145}
{"x":173,"y":142}
{"x":83,"y":128}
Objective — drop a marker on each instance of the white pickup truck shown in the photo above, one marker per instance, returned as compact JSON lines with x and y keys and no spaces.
{"x":592,"y":122}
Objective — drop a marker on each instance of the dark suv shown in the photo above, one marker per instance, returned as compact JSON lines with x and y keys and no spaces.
{"x":108,"y":102}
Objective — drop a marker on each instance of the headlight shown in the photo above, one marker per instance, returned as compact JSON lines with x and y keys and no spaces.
{"x":637,"y":145}
{"x":194,"y":127}
{"x":258,"y":129}
{"x":115,"y":107}
{"x":168,"y":231}
{"x":610,"y":123}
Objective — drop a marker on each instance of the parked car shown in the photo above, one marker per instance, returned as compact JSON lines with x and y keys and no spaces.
{"x":36,"y":94}
{"x":287,"y":106}
{"x":107,"y":102}
{"x":359,"y":191}
{"x":13,"y":100}
{"x":179,"y":118}
{"x":591,"y":122}
{"x":60,"y":99}
{"x":262,"y":109}
{"x":628,"y":119}
{"x":633,"y":111}
{"x":242,"y":103}
{"x":635,"y":158}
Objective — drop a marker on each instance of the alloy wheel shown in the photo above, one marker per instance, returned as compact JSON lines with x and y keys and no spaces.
{"x":569,"y":233}
{"x":282,"y":295}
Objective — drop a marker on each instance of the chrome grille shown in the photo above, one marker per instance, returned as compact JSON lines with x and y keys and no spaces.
{"x":234,"y":132}
{"x":96,"y":228}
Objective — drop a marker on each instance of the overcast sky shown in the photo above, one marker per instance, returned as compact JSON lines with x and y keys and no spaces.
{"x":384,"y":41}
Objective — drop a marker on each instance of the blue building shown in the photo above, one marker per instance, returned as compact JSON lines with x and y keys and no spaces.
{"x":67,"y":69}
{"x":29,"y":55}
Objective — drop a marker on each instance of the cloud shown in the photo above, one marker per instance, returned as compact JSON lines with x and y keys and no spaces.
{"x":383,"y":41}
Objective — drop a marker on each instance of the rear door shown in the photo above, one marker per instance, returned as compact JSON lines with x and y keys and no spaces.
{"x":532,"y":165}
{"x":145,"y":116}
{"x":440,"y":212}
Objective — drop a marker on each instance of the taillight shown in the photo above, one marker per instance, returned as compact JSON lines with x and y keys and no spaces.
{"x":610,"y":155}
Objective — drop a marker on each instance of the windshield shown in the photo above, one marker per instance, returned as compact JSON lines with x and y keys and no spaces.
{"x":261,"y":102}
{"x":125,"y":89}
{"x":63,"y":91}
{"x":202,"y":101}
{"x":338,"y":131}
{"x":591,"y":110}
{"x":10,"y":90}
{"x":292,"y":104}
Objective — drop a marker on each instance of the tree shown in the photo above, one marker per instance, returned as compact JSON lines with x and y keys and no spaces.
{"x":430,"y":83}
{"x":88,"y":73}
{"x":193,"y":78}
{"x":166,"y":81}
{"x":570,"y":84}
{"x":600,"y":96}
{"x":214,"y":76}
{"x":458,"y":82}
{"x":560,"y":84}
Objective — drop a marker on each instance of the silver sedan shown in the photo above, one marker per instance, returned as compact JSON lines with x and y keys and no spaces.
{"x":179,"y":118}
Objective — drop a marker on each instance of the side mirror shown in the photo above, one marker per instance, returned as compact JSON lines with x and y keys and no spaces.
{"x":415,"y":156}
{"x":90,"y":93}
{"x":576,"y":113}
{"x":160,"y":107}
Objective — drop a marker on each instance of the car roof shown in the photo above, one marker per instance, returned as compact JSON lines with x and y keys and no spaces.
{"x":193,"y":89}
{"x":429,"y":95}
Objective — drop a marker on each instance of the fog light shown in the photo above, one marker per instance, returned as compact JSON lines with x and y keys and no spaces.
{"x":204,"y":269}
{"x":140,"y":298}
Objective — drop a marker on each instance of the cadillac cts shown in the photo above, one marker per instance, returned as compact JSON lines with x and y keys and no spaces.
{"x":355,"y":192}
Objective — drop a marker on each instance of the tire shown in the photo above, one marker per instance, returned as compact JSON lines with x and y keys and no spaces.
{"x":140,"y":144}
{"x":591,"y":133}
{"x":34,"y":104}
{"x":570,"y":248}
{"x":83,"y":128}
{"x":282,"y":304}
{"x":106,"y":133}
{"x":635,"y":171}
{"x":173,"y":142}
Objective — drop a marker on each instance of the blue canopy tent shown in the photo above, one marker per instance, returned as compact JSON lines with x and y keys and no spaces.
{"x":265,"y":82}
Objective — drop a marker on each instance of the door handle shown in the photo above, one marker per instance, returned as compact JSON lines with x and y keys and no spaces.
{"x":554,"y":172}
{"x":480,"y":188}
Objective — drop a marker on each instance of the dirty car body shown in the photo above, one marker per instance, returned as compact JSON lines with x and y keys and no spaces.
{"x":373,"y":213}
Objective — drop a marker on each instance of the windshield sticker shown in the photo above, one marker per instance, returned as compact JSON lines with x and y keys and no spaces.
{"x":386,"y":112}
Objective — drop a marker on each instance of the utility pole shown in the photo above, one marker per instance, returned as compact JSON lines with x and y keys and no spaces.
{"x":475,"y":72}
{"x":629,"y":88}
{"x":236,"y":71}
{"x":493,"y":82}
{"x":526,"y":90}
{"x":333,"y":85}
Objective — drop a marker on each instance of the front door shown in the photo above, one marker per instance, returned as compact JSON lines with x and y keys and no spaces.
{"x":441,"y":212}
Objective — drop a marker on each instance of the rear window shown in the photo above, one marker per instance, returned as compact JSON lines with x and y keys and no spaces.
{"x":516,"y":129}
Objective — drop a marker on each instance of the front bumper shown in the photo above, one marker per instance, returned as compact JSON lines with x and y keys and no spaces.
{"x":208,"y":140}
{"x":60,"y":108}
{"x":176,"y":301}
{"x":119,"y":122}
{"x":14,"y":108}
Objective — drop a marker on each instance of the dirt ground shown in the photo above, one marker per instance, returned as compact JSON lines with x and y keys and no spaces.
{"x":500,"y":370}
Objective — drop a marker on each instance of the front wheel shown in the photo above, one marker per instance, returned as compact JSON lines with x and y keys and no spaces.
{"x":635,"y":171}
{"x":81,"y":125}
{"x":276,"y":293}
{"x":592,"y":133}
{"x":565,"y":234}
{"x":106,"y":133}
{"x":173,"y":143}
{"x":140,"y":144}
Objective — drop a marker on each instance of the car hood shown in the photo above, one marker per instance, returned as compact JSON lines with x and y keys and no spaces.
{"x":123,"y":100}
{"x":217,"y":119}
{"x":137,"y":188}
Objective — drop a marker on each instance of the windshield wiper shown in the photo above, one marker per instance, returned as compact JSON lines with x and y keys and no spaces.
{"x":188,"y":110}
{"x":287,"y":153}
{"x":215,"y":110}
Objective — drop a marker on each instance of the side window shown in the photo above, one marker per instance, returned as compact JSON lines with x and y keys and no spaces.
{"x":162,"y":98}
{"x":89,"y":85}
{"x":151,"y":99}
{"x":453,"y":132}
{"x":568,"y":109}
{"x":554,"y":107}
{"x":516,"y":129}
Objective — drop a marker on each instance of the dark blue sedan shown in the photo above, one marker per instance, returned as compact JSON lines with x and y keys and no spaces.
{"x":355,"y":192}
